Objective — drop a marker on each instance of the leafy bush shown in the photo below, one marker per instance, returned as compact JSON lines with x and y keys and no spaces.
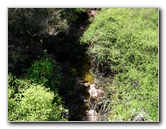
{"x":47,"y":72}
{"x":41,"y":70}
{"x":32,"y":102}
{"x":124,"y":47}
{"x":28,"y":27}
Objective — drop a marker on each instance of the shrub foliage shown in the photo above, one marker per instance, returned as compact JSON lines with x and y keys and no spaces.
{"x":124,"y":47}
{"x":32,"y":102}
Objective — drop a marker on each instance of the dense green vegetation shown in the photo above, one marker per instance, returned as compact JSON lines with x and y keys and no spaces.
{"x":124,"y":48}
{"x":49,"y":49}
{"x":44,"y":49}
{"x":32,"y":102}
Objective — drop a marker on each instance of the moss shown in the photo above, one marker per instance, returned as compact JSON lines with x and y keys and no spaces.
{"x":88,"y":77}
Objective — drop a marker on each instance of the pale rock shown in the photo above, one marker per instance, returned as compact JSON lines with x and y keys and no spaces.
{"x":87,"y":84}
{"x":92,"y":115}
{"x":95,"y":93}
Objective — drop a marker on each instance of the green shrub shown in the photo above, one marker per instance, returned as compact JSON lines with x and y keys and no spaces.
{"x":41,"y":70}
{"x":47,"y":72}
{"x":32,"y":102}
{"x":124,"y":45}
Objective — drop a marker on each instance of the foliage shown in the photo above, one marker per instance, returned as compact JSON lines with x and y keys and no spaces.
{"x":72,"y":14}
{"x":48,"y":72}
{"x":41,"y":71}
{"x":46,"y":57}
{"x":27,"y":28}
{"x":124,"y":47}
{"x":32,"y":102}
{"x":43,"y":51}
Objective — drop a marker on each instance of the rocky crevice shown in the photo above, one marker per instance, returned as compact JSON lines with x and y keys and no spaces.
{"x":89,"y":100}
{"x":95,"y":103}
